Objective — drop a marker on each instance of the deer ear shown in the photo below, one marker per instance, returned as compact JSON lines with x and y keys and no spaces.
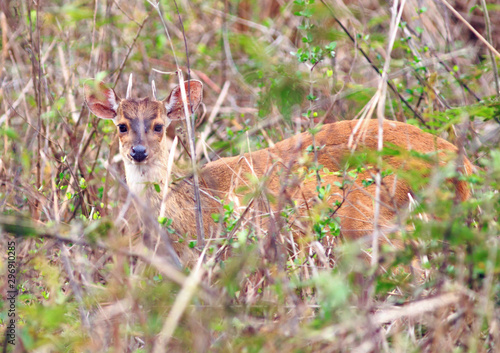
{"x":174,"y":105}
{"x":101,"y":100}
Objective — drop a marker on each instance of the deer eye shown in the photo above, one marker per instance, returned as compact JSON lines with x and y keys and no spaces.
{"x":122,"y":128}
{"x":158,"y":128}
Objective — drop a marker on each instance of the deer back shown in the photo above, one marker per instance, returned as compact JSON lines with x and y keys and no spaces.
{"x":231,"y":178}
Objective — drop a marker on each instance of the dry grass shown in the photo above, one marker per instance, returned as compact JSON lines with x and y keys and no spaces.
{"x":86,"y":283}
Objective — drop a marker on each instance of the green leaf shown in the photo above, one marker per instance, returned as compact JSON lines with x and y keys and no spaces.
{"x":10,"y":133}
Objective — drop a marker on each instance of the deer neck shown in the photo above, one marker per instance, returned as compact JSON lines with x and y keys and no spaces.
{"x":145,"y":179}
{"x":141,"y":176}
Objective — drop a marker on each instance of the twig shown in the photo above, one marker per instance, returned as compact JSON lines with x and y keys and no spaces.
{"x":120,"y":70}
{"x":61,"y":149}
{"x":440,"y":59}
{"x":112,"y":151}
{"x":18,"y":101}
{"x":425,"y":83}
{"x":186,"y":49}
{"x":202,"y":76}
{"x":396,"y":18}
{"x":18,"y":225}
{"x":156,"y":6}
{"x":269,"y":32}
{"x":230,"y":236}
{"x":211,"y":118}
{"x":77,"y":290}
{"x":467,"y":24}
{"x":167,"y":180}
{"x":487,"y":24}
{"x":191,"y":127}
{"x":66,"y":75}
{"x":414,"y":309}
{"x":93,"y":35}
{"x":391,"y":86}
{"x":181,"y":302}
{"x":457,"y":77}
{"x":197,"y":198}
{"x":126,"y":14}
{"x":189,"y":116}
{"x":5,"y":49}
{"x":37,"y":85}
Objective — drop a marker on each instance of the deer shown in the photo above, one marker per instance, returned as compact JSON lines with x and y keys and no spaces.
{"x":141,"y":125}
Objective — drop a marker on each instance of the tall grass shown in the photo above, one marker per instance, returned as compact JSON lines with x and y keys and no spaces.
{"x":270,"y":70}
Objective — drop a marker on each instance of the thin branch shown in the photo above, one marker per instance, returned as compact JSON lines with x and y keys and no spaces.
{"x":211,"y":118}
{"x":166,"y":187}
{"x":197,"y":197}
{"x":185,"y":48}
{"x":408,"y":30}
{"x":189,"y":116}
{"x":120,"y":70}
{"x":26,"y":227}
{"x":396,"y":18}
{"x":181,"y":302}
{"x":487,"y":24}
{"x":126,"y":14}
{"x":37,"y":75}
{"x":77,"y":290}
{"x":156,"y":6}
{"x":390,"y":84}
{"x":93,"y":35}
{"x":472,"y":29}
{"x":191,"y":127}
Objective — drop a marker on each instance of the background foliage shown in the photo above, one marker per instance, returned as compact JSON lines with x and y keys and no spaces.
{"x":288,"y":66}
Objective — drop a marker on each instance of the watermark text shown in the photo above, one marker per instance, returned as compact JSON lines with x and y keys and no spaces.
{"x":10,"y":332}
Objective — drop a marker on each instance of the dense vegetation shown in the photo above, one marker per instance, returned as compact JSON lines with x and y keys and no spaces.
{"x":270,"y":69}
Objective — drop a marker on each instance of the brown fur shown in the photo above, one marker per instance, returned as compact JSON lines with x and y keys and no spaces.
{"x":224,"y":178}
{"x":226,"y":175}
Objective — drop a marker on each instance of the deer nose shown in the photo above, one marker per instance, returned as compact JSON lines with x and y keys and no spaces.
{"x":139,"y":153}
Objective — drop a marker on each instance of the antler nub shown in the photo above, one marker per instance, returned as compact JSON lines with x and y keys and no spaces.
{"x":129,"y":87}
{"x":153,"y":88}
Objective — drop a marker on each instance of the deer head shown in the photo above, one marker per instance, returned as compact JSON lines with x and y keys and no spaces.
{"x":141,"y":122}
